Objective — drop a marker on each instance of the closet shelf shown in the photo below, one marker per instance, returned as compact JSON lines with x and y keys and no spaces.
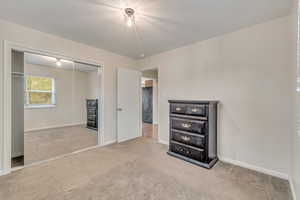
{"x":17,"y":73}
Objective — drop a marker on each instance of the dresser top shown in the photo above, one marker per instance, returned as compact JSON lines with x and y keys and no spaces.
{"x":195,"y":101}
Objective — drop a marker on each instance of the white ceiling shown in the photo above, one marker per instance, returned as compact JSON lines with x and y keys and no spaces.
{"x":48,"y":61}
{"x":162,"y":24}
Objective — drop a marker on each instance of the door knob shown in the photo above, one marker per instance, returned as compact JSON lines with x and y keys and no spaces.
{"x":119,"y":109}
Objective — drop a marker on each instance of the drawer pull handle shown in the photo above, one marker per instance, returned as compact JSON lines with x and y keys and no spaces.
{"x":185,"y":138}
{"x":178,"y":109}
{"x":186,"y":125}
{"x":194,"y":110}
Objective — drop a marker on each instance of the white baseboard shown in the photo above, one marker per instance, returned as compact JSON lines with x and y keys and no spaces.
{"x":247,"y":165}
{"x":109,"y":142}
{"x":163,"y":142}
{"x":127,"y":139}
{"x":292,"y":188}
{"x":57,"y":126}
{"x":4,"y":172}
{"x":255,"y":168}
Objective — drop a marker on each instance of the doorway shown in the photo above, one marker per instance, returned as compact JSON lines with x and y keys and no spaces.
{"x":137,"y":111}
{"x":149,"y":86}
{"x":56,"y":107}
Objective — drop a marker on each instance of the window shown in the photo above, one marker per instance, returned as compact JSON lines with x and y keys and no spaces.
{"x":39,"y":91}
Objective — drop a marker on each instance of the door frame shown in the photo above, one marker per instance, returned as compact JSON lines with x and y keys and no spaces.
{"x":158,"y":100}
{"x":6,"y":136}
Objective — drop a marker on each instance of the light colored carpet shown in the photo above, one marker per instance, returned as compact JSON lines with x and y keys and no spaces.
{"x":137,"y":170}
{"x":45,"y":144}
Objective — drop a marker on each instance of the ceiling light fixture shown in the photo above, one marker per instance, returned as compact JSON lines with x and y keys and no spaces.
{"x":58,"y":62}
{"x":129,"y":16}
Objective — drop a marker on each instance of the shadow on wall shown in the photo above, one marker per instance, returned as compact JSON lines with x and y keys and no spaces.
{"x":227,"y":120}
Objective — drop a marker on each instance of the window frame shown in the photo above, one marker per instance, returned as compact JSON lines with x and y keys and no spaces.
{"x":26,"y":96}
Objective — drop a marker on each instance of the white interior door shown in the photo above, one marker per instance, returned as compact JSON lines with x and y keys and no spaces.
{"x":129,"y":104}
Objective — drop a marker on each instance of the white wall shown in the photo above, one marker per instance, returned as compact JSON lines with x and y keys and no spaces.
{"x":155,"y":101}
{"x":71,"y":93}
{"x":93,"y":81}
{"x":295,"y":136}
{"x":249,"y":71}
{"x":43,"y":41}
{"x":152,"y":73}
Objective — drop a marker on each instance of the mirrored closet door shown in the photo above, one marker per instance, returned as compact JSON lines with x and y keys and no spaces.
{"x":54,"y":107}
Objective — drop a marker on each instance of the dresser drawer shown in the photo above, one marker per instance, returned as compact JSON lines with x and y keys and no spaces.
{"x":194,"y":153}
{"x":188,"y":125}
{"x":178,"y":108}
{"x":190,"y":139}
{"x":91,"y":111}
{"x":92,"y":118}
{"x":197,"y":110}
{"x":92,"y":123}
{"x":189,"y":109}
{"x":92,"y":103}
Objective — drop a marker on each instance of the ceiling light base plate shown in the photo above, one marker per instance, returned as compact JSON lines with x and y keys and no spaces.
{"x":129,"y":12}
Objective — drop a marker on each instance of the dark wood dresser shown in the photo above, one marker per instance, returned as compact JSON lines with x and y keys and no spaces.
{"x":92,"y":114}
{"x":193,"y":131}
